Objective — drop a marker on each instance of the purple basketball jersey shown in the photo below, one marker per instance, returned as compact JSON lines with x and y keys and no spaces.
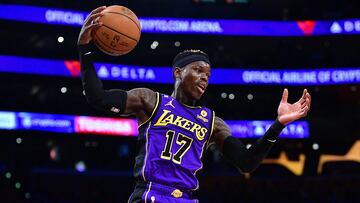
{"x":174,"y":140}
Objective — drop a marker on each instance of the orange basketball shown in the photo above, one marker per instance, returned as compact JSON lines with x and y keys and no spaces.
{"x":120,"y":31}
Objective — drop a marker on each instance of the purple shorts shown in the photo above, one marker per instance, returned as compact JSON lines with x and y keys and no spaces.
{"x":156,"y":193}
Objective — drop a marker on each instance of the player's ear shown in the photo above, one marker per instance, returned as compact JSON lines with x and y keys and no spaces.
{"x":177,"y":73}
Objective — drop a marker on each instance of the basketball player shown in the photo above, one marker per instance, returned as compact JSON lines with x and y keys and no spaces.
{"x":173,"y":133}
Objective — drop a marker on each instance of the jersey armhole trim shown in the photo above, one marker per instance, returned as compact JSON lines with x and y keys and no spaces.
{"x":212,"y":129}
{"x":154,"y":110}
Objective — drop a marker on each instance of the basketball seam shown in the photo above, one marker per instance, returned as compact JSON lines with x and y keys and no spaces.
{"x":120,"y":32}
{"x":127,"y":17}
{"x":98,"y":38}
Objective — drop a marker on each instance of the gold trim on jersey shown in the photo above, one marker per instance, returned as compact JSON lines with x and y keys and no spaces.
{"x":153,"y":111}
{"x":193,"y":107}
{"x":201,"y":166}
{"x":146,"y":148}
{"x":205,"y":144}
{"x":212,"y":128}
{"x":148,"y":192}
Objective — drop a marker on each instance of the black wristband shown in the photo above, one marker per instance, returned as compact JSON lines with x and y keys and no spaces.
{"x":274,"y":131}
{"x":85,"y":48}
{"x":277,"y":126}
{"x":114,"y":101}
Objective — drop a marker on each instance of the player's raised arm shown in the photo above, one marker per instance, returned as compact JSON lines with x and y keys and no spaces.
{"x":248,"y":160}
{"x":140,"y":101}
{"x":236,"y":152}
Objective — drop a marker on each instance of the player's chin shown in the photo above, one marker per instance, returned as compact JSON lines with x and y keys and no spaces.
{"x":197,"y":95}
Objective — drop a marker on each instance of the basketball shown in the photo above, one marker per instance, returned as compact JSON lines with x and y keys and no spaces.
{"x":120,"y":31}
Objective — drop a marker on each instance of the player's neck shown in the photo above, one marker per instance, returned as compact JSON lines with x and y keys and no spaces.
{"x":181,"y":97}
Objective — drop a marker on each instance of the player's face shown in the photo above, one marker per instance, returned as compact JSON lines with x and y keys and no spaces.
{"x":196,"y":78}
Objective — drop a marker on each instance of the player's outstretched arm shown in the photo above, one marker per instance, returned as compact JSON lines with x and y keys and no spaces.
{"x":248,"y":160}
{"x":236,"y":152}
{"x":140,"y":101}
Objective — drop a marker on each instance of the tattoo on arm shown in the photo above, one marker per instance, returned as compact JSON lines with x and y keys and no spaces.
{"x":140,"y":101}
{"x":221,"y":132}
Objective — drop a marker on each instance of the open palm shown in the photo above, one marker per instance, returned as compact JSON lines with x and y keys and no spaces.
{"x":290,"y":112}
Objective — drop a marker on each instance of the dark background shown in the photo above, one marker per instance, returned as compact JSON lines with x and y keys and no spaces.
{"x":334,"y":117}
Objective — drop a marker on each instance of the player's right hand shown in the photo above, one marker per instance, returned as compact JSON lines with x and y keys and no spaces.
{"x":91,"y":22}
{"x":288,"y":113}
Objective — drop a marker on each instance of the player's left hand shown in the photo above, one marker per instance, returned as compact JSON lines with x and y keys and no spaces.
{"x":290,"y":112}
